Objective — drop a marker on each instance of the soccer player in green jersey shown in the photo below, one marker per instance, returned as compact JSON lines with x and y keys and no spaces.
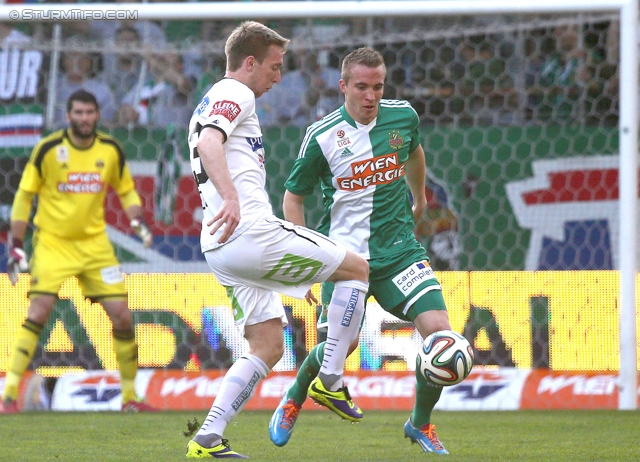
{"x":368,"y":159}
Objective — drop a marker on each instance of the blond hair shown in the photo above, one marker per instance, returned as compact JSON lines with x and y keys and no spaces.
{"x":364,"y":56}
{"x":251,"y":39}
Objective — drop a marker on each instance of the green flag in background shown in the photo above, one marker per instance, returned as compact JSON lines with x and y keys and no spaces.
{"x":167,"y":178}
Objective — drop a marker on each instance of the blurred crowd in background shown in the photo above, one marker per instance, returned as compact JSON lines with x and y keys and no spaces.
{"x":487,"y":70}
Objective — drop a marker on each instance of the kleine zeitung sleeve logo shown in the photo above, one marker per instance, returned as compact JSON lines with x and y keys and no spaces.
{"x":370,"y":172}
{"x":227,"y":109}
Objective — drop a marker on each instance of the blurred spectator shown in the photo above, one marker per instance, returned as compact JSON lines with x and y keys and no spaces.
{"x":123,"y":68}
{"x":163,"y":98}
{"x":564,"y":84}
{"x":213,"y":69}
{"x":80,"y":70}
{"x":150,"y":32}
{"x":437,"y":228}
{"x":485,"y":94}
{"x":304,"y":95}
{"x":104,"y":30}
{"x":460,"y":81}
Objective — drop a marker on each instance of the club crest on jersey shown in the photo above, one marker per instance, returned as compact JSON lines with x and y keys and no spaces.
{"x":99,"y":163}
{"x":227,"y":109}
{"x":395,"y":140}
{"x":62,"y":154}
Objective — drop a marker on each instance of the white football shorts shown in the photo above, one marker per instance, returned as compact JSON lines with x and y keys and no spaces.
{"x":273,"y":255}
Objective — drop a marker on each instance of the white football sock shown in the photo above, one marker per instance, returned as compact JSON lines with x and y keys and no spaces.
{"x":345,"y":313}
{"x":237,"y":387}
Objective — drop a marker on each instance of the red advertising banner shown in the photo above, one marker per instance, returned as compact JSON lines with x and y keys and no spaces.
{"x":22,"y":390}
{"x":484,"y":389}
{"x":546,"y":389}
{"x":373,"y":390}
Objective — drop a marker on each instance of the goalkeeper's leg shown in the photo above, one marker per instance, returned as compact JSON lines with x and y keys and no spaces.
{"x":124,"y":345}
{"x":25,"y":343}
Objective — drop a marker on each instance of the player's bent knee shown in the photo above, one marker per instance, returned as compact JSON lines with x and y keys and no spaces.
{"x":40,"y":308}
{"x":353,"y":267}
{"x":270,"y":353}
{"x":432,"y":321}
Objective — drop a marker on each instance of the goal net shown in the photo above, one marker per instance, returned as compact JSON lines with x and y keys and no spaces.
{"x":519,"y":122}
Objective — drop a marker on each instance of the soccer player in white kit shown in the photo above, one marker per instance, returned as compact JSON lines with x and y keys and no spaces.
{"x":254,"y":254}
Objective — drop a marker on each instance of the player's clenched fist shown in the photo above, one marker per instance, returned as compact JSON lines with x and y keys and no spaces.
{"x":17,"y":261}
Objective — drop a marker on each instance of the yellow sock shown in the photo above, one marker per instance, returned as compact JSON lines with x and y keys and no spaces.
{"x":124,"y":344}
{"x":24,"y":346}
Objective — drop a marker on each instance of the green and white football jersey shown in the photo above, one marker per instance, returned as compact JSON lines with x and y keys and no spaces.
{"x":361,"y":170}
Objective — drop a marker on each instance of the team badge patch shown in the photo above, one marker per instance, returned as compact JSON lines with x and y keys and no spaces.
{"x":227,"y":109}
{"x":111,"y":275}
{"x":62,"y":154}
{"x":395,"y":140}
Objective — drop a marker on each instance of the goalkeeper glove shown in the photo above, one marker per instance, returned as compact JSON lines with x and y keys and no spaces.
{"x":142,"y":230}
{"x":17,"y":261}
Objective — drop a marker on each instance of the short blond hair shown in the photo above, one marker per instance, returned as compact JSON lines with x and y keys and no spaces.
{"x":251,"y":39}
{"x":364,"y":56}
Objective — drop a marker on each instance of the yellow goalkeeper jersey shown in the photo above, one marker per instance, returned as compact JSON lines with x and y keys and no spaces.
{"x":71,"y":183}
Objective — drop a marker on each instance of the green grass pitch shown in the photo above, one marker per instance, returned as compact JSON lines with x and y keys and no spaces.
{"x":321,"y":436}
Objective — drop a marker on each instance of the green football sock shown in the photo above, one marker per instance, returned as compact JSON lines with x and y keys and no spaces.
{"x":307,"y":372}
{"x":427,"y":395}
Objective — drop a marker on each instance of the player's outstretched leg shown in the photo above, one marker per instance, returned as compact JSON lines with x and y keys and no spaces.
{"x":221,"y":451}
{"x":338,"y":401}
{"x":283,"y":420}
{"x":425,"y":436}
{"x":419,"y":428}
{"x":237,"y":387}
{"x":345,"y":313}
{"x":286,"y":414}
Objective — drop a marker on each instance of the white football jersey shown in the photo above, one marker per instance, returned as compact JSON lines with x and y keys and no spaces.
{"x":229,"y":106}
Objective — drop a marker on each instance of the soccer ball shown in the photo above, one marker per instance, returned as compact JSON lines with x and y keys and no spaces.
{"x":445,"y":358}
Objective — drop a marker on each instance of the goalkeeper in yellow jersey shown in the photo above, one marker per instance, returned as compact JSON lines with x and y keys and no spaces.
{"x":70,"y":171}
